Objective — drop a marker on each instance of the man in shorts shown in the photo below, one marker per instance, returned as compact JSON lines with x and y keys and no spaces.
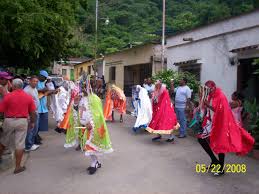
{"x":17,"y":106}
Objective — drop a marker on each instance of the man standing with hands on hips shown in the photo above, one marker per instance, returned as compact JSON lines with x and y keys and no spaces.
{"x":182,"y":100}
{"x":17,"y":106}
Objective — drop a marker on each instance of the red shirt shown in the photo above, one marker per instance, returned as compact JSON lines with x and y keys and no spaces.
{"x":17,"y":104}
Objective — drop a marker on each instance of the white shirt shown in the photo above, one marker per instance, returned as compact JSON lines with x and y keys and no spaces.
{"x":84,"y":112}
{"x":50,"y":86}
{"x":33,"y":92}
{"x":182,"y":94}
{"x":63,"y":98}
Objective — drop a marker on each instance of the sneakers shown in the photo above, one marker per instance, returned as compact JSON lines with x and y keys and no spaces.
{"x":33,"y":148}
{"x":219,"y":173}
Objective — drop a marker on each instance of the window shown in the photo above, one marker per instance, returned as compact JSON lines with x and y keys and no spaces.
{"x":64,"y":72}
{"x":194,"y":69}
{"x":112,"y":73}
{"x":81,"y":70}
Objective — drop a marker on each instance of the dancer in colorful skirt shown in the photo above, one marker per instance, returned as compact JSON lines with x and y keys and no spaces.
{"x":115,"y":100}
{"x":226,"y":134}
{"x":164,"y":119}
{"x":144,"y":107}
{"x":93,"y":133}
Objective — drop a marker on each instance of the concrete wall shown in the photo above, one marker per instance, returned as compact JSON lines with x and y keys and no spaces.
{"x":68,"y":69}
{"x":57,"y":69}
{"x":212,"y":45}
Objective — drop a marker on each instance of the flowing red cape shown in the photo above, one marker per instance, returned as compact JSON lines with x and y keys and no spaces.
{"x":226,"y":134}
{"x":164,"y":119}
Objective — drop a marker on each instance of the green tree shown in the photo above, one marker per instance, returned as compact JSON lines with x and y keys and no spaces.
{"x":167,"y":76}
{"x":141,"y":20}
{"x":35,"y":32}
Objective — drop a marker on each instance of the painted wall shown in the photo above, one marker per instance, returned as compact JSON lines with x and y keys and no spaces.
{"x":136,"y":55}
{"x":83,"y":65}
{"x":212,"y":45}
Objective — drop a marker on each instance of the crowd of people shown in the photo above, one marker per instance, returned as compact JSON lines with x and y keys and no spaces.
{"x":25,"y":103}
{"x":218,"y":124}
{"x":78,"y":112}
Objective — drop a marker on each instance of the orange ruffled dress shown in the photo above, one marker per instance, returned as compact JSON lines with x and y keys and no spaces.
{"x":115,"y":100}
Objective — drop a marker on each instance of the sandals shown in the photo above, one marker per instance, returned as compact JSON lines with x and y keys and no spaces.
{"x":17,"y":171}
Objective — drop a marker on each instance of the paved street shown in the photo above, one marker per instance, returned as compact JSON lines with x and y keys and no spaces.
{"x":136,"y":166}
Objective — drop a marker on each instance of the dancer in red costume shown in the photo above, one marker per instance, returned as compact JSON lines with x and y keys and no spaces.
{"x":164,"y":119}
{"x":226,"y":135}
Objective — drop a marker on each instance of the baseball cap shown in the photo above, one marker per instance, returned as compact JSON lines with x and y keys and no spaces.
{"x":44,"y":73}
{"x":5,"y":75}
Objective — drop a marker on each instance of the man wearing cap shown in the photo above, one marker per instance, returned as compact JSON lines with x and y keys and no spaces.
{"x":16,"y":106}
{"x":4,"y":89}
{"x":42,"y":108}
{"x":4,"y":84}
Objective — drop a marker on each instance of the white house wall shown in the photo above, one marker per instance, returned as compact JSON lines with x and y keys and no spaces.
{"x":213,"y":51}
{"x":233,"y":24}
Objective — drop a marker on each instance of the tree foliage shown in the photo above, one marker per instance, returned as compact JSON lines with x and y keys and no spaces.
{"x":167,"y":76}
{"x":140,"y":20}
{"x":36,"y":32}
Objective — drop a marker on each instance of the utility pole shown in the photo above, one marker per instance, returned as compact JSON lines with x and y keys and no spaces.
{"x":96,"y":36}
{"x":96,"y":28}
{"x":163,"y":38}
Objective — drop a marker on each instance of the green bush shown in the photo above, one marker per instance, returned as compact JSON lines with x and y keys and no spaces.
{"x":256,"y":65}
{"x":252,"y":108}
{"x":166,"y":77}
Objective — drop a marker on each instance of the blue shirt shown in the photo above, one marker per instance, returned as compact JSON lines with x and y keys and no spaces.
{"x":42,"y":108}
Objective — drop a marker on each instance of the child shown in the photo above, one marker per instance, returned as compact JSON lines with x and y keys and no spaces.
{"x":237,"y":107}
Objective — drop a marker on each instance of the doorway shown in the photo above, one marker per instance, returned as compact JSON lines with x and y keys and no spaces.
{"x":134,"y":75}
{"x":247,"y":82}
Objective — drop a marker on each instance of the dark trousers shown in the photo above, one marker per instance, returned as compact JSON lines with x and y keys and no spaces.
{"x":43,"y":122}
{"x":205,"y":145}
